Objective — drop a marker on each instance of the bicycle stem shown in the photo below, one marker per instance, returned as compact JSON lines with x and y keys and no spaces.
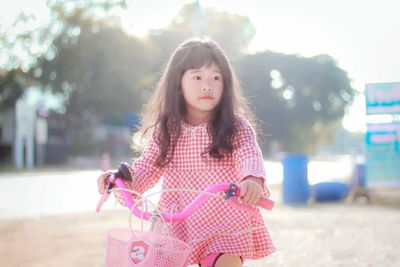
{"x":156,"y":222}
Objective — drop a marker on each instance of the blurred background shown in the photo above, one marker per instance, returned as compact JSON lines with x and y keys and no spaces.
{"x":321,"y":76}
{"x":75,"y":74}
{"x":83,"y":69}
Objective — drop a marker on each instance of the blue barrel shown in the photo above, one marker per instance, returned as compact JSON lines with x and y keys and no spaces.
{"x":330,"y":191}
{"x":295,"y":187}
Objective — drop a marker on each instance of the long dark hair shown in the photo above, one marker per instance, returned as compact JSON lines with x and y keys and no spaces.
{"x":166,"y":108}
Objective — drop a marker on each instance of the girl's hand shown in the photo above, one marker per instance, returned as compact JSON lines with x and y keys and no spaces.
{"x":251,"y":190}
{"x":101,"y":181}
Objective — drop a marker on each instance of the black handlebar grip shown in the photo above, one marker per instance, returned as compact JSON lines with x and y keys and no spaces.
{"x":124,"y":172}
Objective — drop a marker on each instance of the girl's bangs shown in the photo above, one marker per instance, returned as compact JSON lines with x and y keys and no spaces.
{"x":199,"y":57}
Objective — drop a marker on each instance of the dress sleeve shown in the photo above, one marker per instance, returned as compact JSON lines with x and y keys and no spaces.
{"x":146,"y":173}
{"x":247,"y":154}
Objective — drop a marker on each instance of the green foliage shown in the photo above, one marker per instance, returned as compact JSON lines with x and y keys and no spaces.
{"x":233,"y":32}
{"x":12,"y":84}
{"x":100,"y":70}
{"x":295,"y":97}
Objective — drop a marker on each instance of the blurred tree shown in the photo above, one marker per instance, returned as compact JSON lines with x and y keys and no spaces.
{"x":27,"y":44}
{"x":99,"y":70}
{"x":12,"y":84}
{"x":19,"y":45}
{"x":295,"y":97}
{"x":97,"y":67}
{"x":83,"y":54}
{"x":233,"y":32}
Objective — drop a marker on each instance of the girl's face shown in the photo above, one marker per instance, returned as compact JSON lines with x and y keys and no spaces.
{"x":202,"y":91}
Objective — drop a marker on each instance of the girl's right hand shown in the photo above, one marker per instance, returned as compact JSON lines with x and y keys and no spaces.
{"x":101,"y":181}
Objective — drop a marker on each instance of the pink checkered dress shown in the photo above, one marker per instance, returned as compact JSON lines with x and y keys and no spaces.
{"x":216,"y":226}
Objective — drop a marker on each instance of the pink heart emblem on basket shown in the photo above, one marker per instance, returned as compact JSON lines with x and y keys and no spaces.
{"x":138,"y":251}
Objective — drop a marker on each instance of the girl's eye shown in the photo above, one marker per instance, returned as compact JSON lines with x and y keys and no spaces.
{"x":217,"y":78}
{"x":197,"y":78}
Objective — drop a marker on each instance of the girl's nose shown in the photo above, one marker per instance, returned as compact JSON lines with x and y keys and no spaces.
{"x":206,"y":86}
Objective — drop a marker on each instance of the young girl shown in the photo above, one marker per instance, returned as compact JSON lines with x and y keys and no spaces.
{"x":199,"y":137}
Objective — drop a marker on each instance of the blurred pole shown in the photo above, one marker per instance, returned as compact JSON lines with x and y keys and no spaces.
{"x":24,"y":145}
{"x":105,"y":161}
{"x":41,"y":140}
{"x":18,"y":151}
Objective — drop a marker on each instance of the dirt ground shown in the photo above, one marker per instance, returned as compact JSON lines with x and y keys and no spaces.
{"x":339,"y":234}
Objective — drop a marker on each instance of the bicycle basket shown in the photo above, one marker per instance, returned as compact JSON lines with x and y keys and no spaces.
{"x":128,"y":248}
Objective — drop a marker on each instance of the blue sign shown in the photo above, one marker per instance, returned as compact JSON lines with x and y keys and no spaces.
{"x":383,"y":98}
{"x":383,"y":154}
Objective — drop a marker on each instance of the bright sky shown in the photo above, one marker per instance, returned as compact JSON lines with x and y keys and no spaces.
{"x":362,"y":35}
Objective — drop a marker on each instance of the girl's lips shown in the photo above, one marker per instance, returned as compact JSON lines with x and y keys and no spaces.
{"x":207,"y":97}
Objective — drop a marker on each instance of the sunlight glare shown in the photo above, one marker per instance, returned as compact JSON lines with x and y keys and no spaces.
{"x":355,"y":119}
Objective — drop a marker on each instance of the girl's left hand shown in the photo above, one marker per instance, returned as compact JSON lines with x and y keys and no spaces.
{"x":251,"y":190}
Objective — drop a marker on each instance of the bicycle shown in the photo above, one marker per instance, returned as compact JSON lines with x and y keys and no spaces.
{"x":127,"y":247}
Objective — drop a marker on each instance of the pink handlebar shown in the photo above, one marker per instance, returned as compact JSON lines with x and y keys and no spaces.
{"x":194,"y":205}
{"x":266,"y":203}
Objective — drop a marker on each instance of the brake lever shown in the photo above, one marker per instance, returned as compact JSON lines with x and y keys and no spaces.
{"x":232,"y":191}
{"x":109,"y":183}
{"x":107,"y":192}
